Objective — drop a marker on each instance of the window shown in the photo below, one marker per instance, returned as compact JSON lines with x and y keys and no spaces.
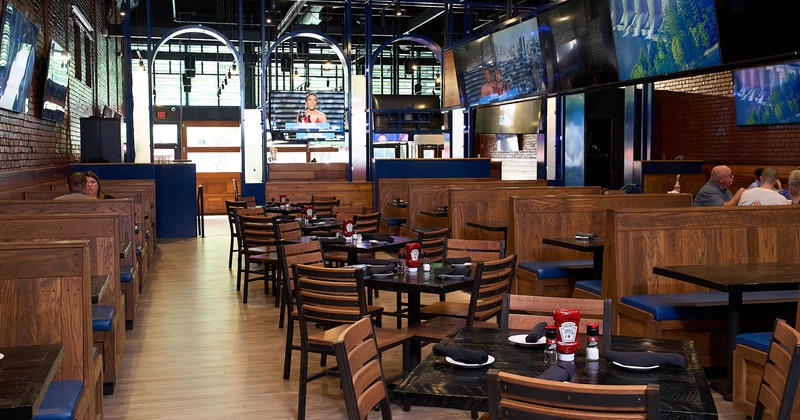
{"x":78,"y":51}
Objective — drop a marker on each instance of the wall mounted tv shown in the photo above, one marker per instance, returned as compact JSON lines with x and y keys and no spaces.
{"x":17,"y":54}
{"x":514,"y":118}
{"x":578,"y":45}
{"x":501,"y":66}
{"x":285,"y":105}
{"x":767,"y":94}
{"x":54,"y":101}
{"x":754,"y":29}
{"x":659,"y":38}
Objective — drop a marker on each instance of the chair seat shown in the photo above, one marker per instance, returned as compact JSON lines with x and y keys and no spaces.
{"x":269,"y":257}
{"x":757,"y":340}
{"x":559,"y":268}
{"x":591,"y":286}
{"x":60,"y":401}
{"x":338,"y":256}
{"x":435,"y":329}
{"x":102,"y":317}
{"x":126,"y":274}
{"x":394,"y":221}
{"x":386,"y":338}
{"x":448,"y":309}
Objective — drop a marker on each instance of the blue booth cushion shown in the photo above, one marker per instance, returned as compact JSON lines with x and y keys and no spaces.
{"x":559,"y":268}
{"x":395,"y":221}
{"x":101,"y":317}
{"x":126,"y":274}
{"x":757,"y":340}
{"x":591,"y":286}
{"x":672,"y":306}
{"x":427,"y":229}
{"x":138,"y":250}
{"x":60,"y":401}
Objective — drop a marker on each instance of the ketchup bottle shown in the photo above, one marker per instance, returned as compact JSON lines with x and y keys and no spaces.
{"x":348,"y":228}
{"x":412,"y":256}
{"x":567,"y":322}
{"x":308,"y":211}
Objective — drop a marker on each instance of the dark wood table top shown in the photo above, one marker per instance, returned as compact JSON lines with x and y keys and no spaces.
{"x":124,"y":249}
{"x":737,"y":277}
{"x":490,"y":225}
{"x":586,"y":245}
{"x":684,"y":392}
{"x":434,"y":213}
{"x":420,"y":282}
{"x":25,"y":374}
{"x":285,"y":211}
{"x":322,"y":225}
{"x":368,"y":247}
{"x":99,"y":286}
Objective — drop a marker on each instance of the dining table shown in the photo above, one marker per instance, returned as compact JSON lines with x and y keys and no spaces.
{"x":25,"y":375}
{"x":282,"y":210}
{"x":327,"y":225}
{"x":595,"y":246}
{"x":735,"y":279}
{"x":414,"y":284}
{"x":366,"y":247}
{"x":436,"y":382}
{"x":491,"y":226}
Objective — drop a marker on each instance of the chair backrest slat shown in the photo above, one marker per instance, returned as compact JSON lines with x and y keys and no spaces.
{"x":523,"y":312}
{"x":330,"y":296}
{"x":779,"y":383}
{"x":475,"y":249}
{"x":432,"y":242}
{"x":492,"y":280}
{"x":368,"y":222}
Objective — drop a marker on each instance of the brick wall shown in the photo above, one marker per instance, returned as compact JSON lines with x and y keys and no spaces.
{"x":487,"y":145}
{"x":28,"y":141}
{"x":695,"y":117}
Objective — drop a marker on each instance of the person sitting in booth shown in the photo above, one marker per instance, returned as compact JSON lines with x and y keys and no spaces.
{"x":76,"y":182}
{"x":764,"y":194}
{"x":715,"y":192}
{"x":311,"y":114}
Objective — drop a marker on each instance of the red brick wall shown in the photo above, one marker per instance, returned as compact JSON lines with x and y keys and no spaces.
{"x":26,"y":140}
{"x":695,"y":117}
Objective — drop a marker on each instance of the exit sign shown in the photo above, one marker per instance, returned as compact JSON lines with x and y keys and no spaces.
{"x":161,"y":115}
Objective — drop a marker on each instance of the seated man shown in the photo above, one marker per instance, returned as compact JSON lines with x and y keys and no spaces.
{"x":715,"y":192}
{"x":76,"y":182}
{"x":764,"y":194}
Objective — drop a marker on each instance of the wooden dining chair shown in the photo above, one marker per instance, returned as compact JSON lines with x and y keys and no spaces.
{"x":367,"y":222}
{"x":260,"y":254}
{"x":333,"y":299}
{"x":493,"y":280}
{"x":230,"y":205}
{"x":779,"y":383}
{"x":324,"y":205}
{"x":475,"y":249}
{"x":362,"y":378}
{"x":514,"y":396}
{"x":523,"y":312}
{"x":243,"y":211}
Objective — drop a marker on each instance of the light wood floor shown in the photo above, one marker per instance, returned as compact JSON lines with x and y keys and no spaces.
{"x":197,"y":352}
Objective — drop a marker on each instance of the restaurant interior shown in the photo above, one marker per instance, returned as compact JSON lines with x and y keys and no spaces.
{"x":473,"y":209}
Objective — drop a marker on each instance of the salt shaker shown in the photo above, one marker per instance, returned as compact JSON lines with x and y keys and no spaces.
{"x":426,"y":262}
{"x":592,"y":332}
{"x":550,"y":354}
{"x":401,"y":263}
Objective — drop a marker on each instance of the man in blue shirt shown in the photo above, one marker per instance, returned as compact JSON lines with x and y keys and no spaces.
{"x":715,"y":192}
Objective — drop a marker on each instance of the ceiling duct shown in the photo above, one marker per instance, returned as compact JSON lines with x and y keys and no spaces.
{"x":293,"y":12}
{"x":311,"y":16}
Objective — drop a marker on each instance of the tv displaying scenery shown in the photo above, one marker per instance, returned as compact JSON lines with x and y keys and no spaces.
{"x":17,"y":53}
{"x":767,"y":94}
{"x":54,"y":101}
{"x":660,"y":37}
{"x":578,"y":45}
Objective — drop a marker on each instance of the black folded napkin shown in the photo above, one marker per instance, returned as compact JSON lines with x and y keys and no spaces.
{"x":452,"y":261}
{"x":339,"y":240}
{"x":322,"y":234}
{"x":326,"y":216}
{"x":452,"y":271}
{"x":381,"y":269}
{"x":585,"y":235}
{"x":536,"y":333}
{"x":376,"y":261}
{"x":372,"y":236}
{"x":282,"y":219}
{"x":643,"y":358}
{"x":461,"y":354}
{"x":562,"y":371}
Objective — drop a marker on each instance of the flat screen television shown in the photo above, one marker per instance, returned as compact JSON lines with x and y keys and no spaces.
{"x":755,"y":29}
{"x":54,"y":101}
{"x":17,"y":54}
{"x":451,"y":91}
{"x":519,"y":68}
{"x":578,"y":45}
{"x":514,"y":118}
{"x":767,"y":94}
{"x":667,"y":37}
{"x":475,"y":62}
{"x":284,"y":107}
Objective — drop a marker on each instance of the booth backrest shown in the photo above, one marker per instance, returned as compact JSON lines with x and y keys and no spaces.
{"x":353,"y":196}
{"x":45,"y":299}
{"x":393,"y":188}
{"x":533,"y":219}
{"x":122,"y":206}
{"x":482,"y":204}
{"x":637,"y":240}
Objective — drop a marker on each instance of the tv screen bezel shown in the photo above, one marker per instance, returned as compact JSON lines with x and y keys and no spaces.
{"x":54,"y":115}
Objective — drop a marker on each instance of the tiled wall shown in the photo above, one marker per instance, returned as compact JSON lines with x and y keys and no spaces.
{"x":28,"y":141}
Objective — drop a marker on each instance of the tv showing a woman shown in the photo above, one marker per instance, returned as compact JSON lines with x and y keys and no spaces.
{"x":311,"y":114}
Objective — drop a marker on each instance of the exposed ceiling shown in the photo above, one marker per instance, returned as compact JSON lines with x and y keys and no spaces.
{"x":389,"y":17}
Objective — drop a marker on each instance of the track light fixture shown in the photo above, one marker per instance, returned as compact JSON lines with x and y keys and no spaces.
{"x":397,"y":11}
